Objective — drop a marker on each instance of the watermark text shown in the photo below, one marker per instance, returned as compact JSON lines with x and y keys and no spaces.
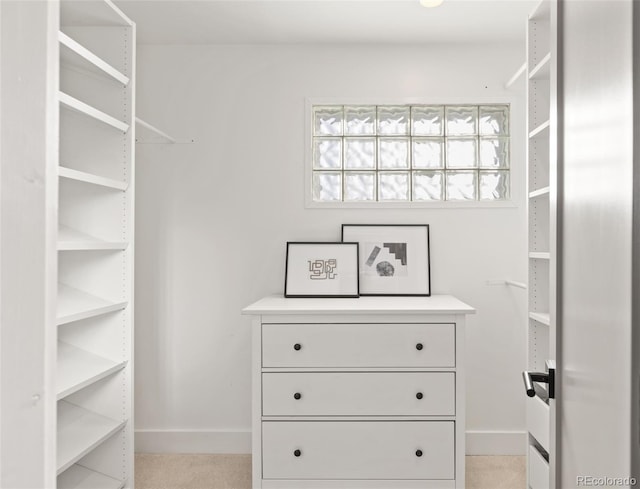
{"x":591,"y":481}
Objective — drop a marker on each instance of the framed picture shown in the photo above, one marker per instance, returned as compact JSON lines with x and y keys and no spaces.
{"x":321,"y":270}
{"x":394,"y":259}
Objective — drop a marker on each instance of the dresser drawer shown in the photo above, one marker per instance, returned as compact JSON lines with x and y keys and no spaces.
{"x":358,"y":394}
{"x":358,"y":450}
{"x":538,"y":470}
{"x":358,"y":345}
{"x":538,"y":423}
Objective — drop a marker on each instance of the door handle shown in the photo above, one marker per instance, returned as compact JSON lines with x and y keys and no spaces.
{"x":531,"y":377}
{"x":548,"y":377}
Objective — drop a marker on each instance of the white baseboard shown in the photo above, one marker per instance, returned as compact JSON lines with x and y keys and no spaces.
{"x":193,"y":441}
{"x":239,"y":441}
{"x":496,"y":442}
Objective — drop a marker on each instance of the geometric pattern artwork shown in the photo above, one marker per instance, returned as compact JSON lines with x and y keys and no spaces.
{"x":385,"y":259}
{"x":323,"y":269}
{"x":399,"y":250}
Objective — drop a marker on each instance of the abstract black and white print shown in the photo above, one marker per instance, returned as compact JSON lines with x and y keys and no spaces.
{"x":385,"y":259}
{"x":323,"y":269}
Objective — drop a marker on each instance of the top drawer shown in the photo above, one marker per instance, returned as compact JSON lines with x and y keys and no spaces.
{"x":358,"y":345}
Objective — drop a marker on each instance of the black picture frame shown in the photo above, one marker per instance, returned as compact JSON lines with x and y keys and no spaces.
{"x":370,"y":285}
{"x":299,"y":283}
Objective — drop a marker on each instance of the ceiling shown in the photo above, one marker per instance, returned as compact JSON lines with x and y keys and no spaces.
{"x":327,"y":21}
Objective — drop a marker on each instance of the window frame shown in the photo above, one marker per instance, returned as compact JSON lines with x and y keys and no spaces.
{"x":310,"y":102}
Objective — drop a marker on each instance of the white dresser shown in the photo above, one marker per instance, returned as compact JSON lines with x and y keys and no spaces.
{"x":358,"y":393}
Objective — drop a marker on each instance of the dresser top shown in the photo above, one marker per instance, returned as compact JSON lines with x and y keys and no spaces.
{"x":435,"y":304}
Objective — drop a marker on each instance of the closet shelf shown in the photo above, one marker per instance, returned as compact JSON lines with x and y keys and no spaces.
{"x":78,"y":369}
{"x":541,"y":12}
{"x":80,"y":431}
{"x":72,"y":240}
{"x":79,"y":477}
{"x":540,"y":255}
{"x":74,"y":104}
{"x":92,"y":13}
{"x":539,"y":192}
{"x":541,"y":317}
{"x":541,"y":70}
{"x":539,"y":130}
{"x":74,"y":305}
{"x":81,"y":176}
{"x":75,"y":54}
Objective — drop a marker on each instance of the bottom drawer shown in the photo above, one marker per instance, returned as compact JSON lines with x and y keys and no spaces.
{"x":358,"y":450}
{"x":538,"y":470}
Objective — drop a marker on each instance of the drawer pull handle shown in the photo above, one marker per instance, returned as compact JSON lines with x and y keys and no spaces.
{"x":297,"y":453}
{"x":297,"y":395}
{"x":297,"y":346}
{"x":419,"y":346}
{"x":419,"y":395}
{"x":418,"y":453}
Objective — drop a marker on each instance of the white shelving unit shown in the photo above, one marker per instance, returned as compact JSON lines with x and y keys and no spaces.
{"x":79,"y":477}
{"x":72,"y":240}
{"x":78,"y":369}
{"x":81,"y":176}
{"x":74,"y":54}
{"x":67,"y":101}
{"x":75,"y":305}
{"x":542,"y":190}
{"x":80,"y":431}
{"x":95,"y":246}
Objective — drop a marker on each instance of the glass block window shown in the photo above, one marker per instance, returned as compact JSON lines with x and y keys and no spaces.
{"x":410,"y":153}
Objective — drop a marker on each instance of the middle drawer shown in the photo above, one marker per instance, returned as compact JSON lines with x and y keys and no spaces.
{"x":358,"y":394}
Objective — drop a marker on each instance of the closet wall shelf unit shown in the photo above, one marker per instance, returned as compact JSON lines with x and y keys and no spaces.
{"x":85,"y":177}
{"x":94,"y":377}
{"x":540,"y":131}
{"x":541,"y":12}
{"x":75,"y":305}
{"x":72,"y":240}
{"x":75,"y":54}
{"x":541,"y":70}
{"x":541,"y":317}
{"x":540,"y":255}
{"x":91,"y":13}
{"x":541,"y":192}
{"x":80,"y":431}
{"x":78,"y":369}
{"x":79,"y":477}
{"x":541,"y":218}
{"x":67,"y":101}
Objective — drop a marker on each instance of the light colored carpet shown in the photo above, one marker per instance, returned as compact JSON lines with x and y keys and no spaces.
{"x":505,"y":472}
{"x":180,"y":471}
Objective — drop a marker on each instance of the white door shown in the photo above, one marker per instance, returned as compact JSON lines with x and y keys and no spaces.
{"x":596,"y":107}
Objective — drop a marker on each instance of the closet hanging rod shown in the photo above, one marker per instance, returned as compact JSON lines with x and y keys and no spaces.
{"x":161,"y":136}
{"x":154,"y":130}
{"x":517,"y":75}
{"x":513,"y":283}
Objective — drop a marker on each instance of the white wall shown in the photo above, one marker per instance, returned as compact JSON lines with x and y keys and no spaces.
{"x":213,"y":218}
